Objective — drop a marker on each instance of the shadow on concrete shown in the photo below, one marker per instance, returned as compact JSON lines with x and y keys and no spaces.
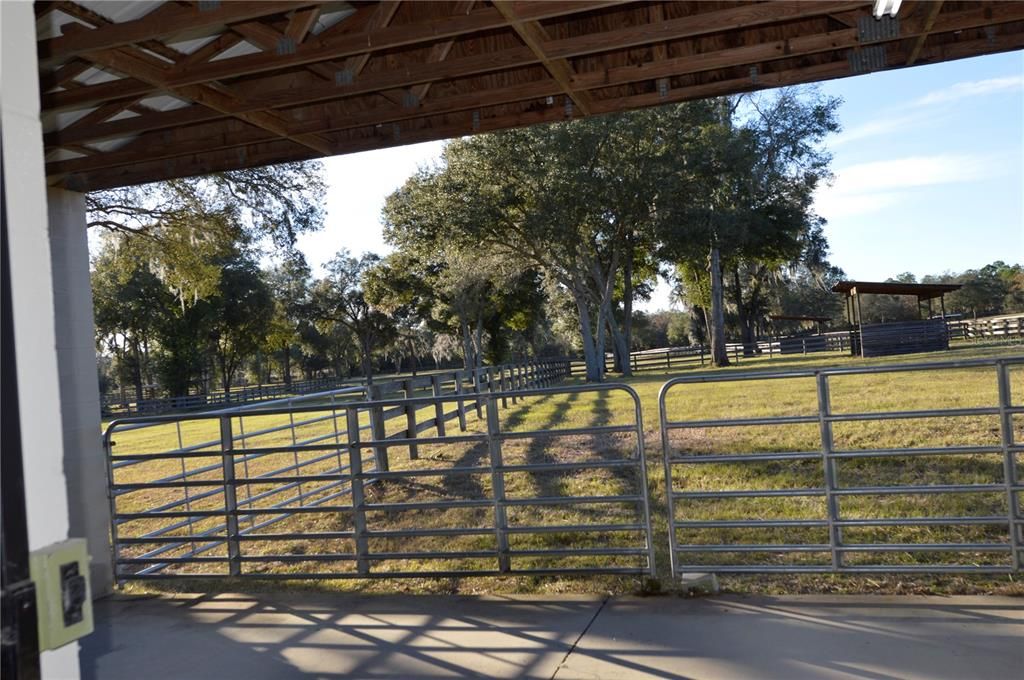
{"x":326,"y":635}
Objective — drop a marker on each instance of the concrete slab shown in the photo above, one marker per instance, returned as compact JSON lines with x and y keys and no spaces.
{"x":322,"y":635}
{"x":868,"y":638}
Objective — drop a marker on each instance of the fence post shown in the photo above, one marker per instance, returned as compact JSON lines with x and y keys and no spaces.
{"x":461,"y":407}
{"x":410,"y":417}
{"x":497,"y":486}
{"x":435,"y":384}
{"x":501,"y":385}
{"x":227,"y":445}
{"x":476,"y":390}
{"x":835,"y":535}
{"x":377,"y":430}
{"x":355,"y":469}
{"x":1009,"y":464}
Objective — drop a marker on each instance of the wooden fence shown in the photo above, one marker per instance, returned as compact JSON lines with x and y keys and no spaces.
{"x":114,"y":404}
{"x":519,"y":375}
{"x":1010,"y":328}
{"x":670,"y":358}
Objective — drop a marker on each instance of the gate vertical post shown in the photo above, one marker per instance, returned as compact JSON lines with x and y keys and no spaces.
{"x":435,"y":384}
{"x":355,"y":469}
{"x":835,"y":537}
{"x":673,"y":551}
{"x":461,"y":408}
{"x":1009,"y":465}
{"x":497,"y":485}
{"x":476,"y":390}
{"x":410,"y":418}
{"x":377,"y":430}
{"x":230,"y":499}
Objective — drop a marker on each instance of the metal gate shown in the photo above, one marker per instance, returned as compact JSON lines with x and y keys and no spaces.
{"x":321,"y":489}
{"x":954,"y":506}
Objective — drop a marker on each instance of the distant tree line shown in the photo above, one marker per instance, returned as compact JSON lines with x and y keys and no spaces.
{"x":995,"y":289}
{"x":528,"y":242}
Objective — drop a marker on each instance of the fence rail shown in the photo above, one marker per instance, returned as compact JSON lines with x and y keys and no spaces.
{"x":112,"y":405}
{"x":1009,"y":328}
{"x":1004,"y":538}
{"x":229,"y":491}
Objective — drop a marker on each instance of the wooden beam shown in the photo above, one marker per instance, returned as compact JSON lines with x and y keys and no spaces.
{"x":97,"y":20}
{"x":699,"y":24}
{"x":63,"y":74}
{"x":933,"y":13}
{"x":174,"y":20}
{"x":313,"y":121}
{"x":792,"y":47}
{"x":225,"y":136}
{"x":300,"y":23}
{"x":705,"y":23}
{"x":346,"y":45}
{"x":534,"y":36}
{"x":520,"y":56}
{"x":278,"y":151}
{"x":129,"y":127}
{"x":140,"y":68}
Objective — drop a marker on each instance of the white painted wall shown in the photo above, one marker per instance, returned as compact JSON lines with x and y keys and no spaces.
{"x":33,"y":303}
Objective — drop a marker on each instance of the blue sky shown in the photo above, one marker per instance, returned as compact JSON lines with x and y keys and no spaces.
{"x":929,"y":174}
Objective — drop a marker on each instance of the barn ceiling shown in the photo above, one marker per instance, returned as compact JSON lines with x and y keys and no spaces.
{"x":141,"y":91}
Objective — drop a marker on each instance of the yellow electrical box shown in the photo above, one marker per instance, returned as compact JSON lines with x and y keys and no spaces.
{"x":63,"y":599}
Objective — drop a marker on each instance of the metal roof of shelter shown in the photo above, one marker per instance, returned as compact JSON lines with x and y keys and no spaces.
{"x":923,"y":291}
{"x":140,"y":91}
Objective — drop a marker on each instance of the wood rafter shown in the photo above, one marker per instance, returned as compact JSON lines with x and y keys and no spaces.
{"x":273,"y":150}
{"x":933,"y":13}
{"x":534,"y":36}
{"x":686,"y":27}
{"x":650,"y":71}
{"x":142,"y":68}
{"x":393,"y":73}
{"x":167,"y":21}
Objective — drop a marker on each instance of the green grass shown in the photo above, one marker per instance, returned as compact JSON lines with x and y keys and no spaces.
{"x":690,"y":402}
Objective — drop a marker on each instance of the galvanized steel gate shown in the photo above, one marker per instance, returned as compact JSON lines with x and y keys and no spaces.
{"x":308,"y":492}
{"x":716,"y":530}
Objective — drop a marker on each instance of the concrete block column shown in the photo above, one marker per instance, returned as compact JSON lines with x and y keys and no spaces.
{"x":84,"y":463}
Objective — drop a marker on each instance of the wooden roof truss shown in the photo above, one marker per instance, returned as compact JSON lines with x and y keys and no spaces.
{"x":173,"y":89}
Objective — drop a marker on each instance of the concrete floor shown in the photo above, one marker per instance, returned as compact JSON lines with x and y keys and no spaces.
{"x":317,"y":635}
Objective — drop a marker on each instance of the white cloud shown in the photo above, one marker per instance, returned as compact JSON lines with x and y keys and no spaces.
{"x":869,"y":187}
{"x":926,"y":110}
{"x":975,"y":88}
{"x":873,"y":128}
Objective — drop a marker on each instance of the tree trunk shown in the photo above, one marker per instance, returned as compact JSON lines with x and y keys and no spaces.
{"x":590,"y":356}
{"x":627,"y":307}
{"x":745,"y":317}
{"x":468,"y":358}
{"x":137,"y":373}
{"x":367,"y":364}
{"x":619,"y":343}
{"x":719,"y":356}
{"x":287,"y":365}
{"x":225,"y":375}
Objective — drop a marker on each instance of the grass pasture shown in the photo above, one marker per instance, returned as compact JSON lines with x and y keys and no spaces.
{"x":467,"y":492}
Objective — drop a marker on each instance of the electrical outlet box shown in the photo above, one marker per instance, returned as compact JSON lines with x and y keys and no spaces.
{"x":64,"y":602}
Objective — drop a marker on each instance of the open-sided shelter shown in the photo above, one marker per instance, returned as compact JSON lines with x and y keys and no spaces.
{"x":926,"y":334}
